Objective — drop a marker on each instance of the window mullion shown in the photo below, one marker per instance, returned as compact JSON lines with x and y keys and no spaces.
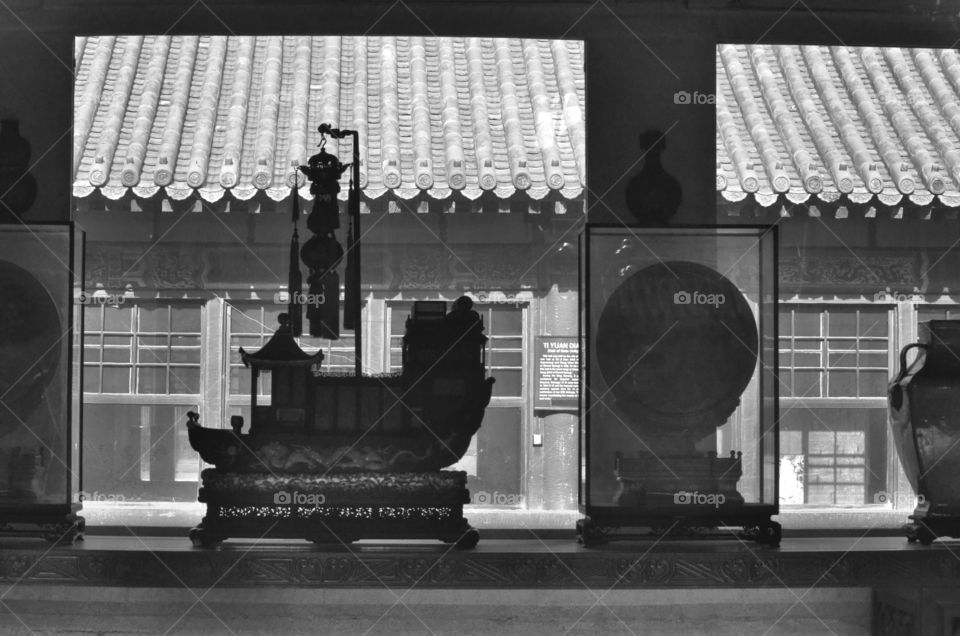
{"x":214,"y":362}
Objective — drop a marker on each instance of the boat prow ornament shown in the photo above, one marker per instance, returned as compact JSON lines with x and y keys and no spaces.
{"x":334,"y":458}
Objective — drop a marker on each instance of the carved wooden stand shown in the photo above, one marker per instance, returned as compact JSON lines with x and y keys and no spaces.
{"x":56,"y":523}
{"x":755,"y":526}
{"x":335,"y":508}
{"x":679,"y":498}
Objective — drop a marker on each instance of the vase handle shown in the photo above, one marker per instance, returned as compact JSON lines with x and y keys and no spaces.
{"x":903,"y":358}
{"x":896,"y":391}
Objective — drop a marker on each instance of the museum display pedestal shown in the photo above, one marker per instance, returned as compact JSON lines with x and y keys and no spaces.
{"x":41,"y":280}
{"x":336,"y":508}
{"x":339,"y":458}
{"x":679,"y":435}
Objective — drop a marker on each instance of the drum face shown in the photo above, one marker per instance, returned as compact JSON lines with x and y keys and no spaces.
{"x":677,"y":345}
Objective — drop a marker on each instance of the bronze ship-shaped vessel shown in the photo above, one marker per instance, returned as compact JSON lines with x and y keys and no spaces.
{"x":334,"y":458}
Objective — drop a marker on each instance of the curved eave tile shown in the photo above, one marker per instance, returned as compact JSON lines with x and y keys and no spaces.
{"x":864,"y":125}
{"x":114,"y":193}
{"x":218,"y":123}
{"x":145,"y":191}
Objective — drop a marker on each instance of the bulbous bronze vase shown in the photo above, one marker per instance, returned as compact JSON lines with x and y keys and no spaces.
{"x":924,"y":402}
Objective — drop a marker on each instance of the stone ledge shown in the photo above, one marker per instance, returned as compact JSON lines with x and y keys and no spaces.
{"x":542,"y":564}
{"x":96,"y":610}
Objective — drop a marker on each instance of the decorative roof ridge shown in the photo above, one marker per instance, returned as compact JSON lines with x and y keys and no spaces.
{"x":360,"y":87}
{"x":330,"y":88}
{"x":86,"y":107}
{"x":146,"y":111}
{"x":450,"y":116}
{"x":110,"y":136}
{"x":863,"y":160}
{"x":542,"y":116}
{"x":931,"y":119}
{"x":79,"y":46}
{"x":297,"y":152}
{"x":898,"y":116}
{"x":281,"y":350}
{"x":876,"y":124}
{"x":389,"y":114}
{"x":170,"y":140}
{"x":202,"y":144}
{"x":819,"y":133}
{"x":266,"y":142}
{"x":482,"y":139}
{"x":777,"y":105}
{"x":213,"y":116}
{"x":237,"y":115}
{"x":731,"y":139}
{"x":510,"y":114}
{"x":950,"y":62}
{"x":420,"y":110}
{"x":743,"y":94}
{"x":572,"y":113}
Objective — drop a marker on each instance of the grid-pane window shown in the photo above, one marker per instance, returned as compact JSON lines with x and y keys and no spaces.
{"x":835,"y":351}
{"x":141,"y":377}
{"x":252,"y":325}
{"x":834,"y":369}
{"x":832,"y":456}
{"x":142,"y":349}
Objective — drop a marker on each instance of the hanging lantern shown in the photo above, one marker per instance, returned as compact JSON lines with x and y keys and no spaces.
{"x":324,"y":170}
{"x":322,"y":253}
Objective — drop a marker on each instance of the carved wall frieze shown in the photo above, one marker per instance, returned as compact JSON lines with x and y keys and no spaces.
{"x":119,"y":266}
{"x":840,"y":270}
{"x":442,"y":569}
{"x":890,"y":620}
{"x":423,"y":267}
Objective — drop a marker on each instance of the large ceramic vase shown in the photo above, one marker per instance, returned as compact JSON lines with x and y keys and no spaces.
{"x":924,"y":402}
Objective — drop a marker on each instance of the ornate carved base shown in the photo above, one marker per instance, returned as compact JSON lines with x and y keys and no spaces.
{"x":653,"y":482}
{"x":336,"y":509}
{"x":592,"y":533}
{"x":57,"y":524}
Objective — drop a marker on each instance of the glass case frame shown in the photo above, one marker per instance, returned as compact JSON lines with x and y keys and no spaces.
{"x":42,"y":274}
{"x":740,"y":417}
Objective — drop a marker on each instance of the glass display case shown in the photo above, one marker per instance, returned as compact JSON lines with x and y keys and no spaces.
{"x":679,"y":400}
{"x":41,"y":280}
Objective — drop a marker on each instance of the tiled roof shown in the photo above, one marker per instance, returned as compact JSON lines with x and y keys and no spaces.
{"x":232,"y":116}
{"x":815,"y":124}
